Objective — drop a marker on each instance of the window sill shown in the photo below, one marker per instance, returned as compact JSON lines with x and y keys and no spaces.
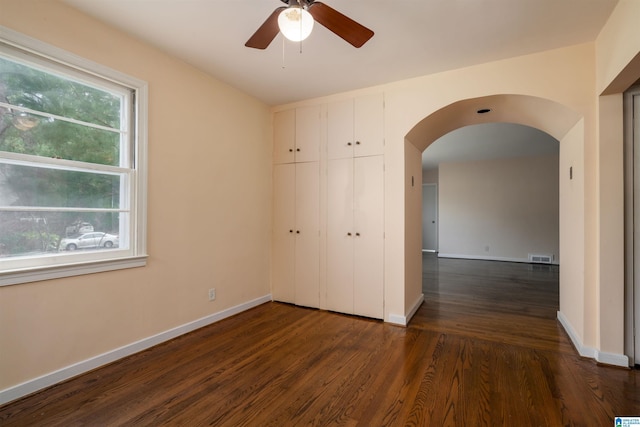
{"x":76,"y":269}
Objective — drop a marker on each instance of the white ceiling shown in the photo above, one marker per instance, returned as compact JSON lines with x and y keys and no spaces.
{"x":488,"y":141}
{"x":412,"y":38}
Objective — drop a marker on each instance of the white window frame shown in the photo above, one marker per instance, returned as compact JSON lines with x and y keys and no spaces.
{"x":135,"y":253}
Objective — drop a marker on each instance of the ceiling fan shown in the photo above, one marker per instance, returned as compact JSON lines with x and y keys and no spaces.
{"x":296,"y":20}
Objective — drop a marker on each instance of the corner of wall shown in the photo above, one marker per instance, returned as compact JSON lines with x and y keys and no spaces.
{"x":400,"y":320}
{"x":606,"y":358}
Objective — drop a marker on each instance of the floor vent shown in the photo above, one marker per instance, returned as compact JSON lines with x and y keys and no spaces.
{"x":541,"y":259}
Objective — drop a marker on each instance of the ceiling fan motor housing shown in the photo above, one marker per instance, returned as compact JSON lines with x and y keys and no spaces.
{"x":302,"y":3}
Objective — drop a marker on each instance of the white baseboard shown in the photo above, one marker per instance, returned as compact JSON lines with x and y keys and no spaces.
{"x":488,"y":258}
{"x":397,"y":319}
{"x":592,"y":353}
{"x":583,"y":350}
{"x":612,"y":359}
{"x":47,"y":380}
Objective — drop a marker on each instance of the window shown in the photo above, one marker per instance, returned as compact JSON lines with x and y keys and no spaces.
{"x":72,"y":164}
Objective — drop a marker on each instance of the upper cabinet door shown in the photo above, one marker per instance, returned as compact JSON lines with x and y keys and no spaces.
{"x":296,"y":135}
{"x":284,"y":136}
{"x":340,"y":129}
{"x":355,"y":127}
{"x":308,"y":133}
{"x":368,"y":125}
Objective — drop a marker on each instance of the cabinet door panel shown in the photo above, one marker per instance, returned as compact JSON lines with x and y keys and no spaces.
{"x":283,"y":242}
{"x":340,"y":236}
{"x":340,"y":129}
{"x":308,"y":134}
{"x":307,"y":258}
{"x":284,"y":136}
{"x":369,"y":241}
{"x":369,"y":125}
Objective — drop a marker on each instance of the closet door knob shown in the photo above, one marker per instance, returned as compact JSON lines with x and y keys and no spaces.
{"x":349,"y":144}
{"x":348,"y":234}
{"x":297,"y":149}
{"x":357,"y":234}
{"x":357,"y":142}
{"x":291,"y":150}
{"x":290,"y":231}
{"x":297,"y":231}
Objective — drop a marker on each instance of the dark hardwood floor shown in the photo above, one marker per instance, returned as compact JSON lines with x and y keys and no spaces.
{"x":484,"y":349}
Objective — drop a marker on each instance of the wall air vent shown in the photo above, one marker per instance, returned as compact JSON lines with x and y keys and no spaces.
{"x":541,"y":259}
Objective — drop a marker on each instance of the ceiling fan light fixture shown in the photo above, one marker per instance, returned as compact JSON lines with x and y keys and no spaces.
{"x":295,"y":23}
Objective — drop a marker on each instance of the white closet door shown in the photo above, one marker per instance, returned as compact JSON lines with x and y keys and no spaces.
{"x":307,"y":234}
{"x":307,"y":133}
{"x":340,"y":235}
{"x":283,"y":241}
{"x":369,"y":236}
{"x":369,"y":125}
{"x":340,"y":129}
{"x":430,"y":217}
{"x":284,"y":136}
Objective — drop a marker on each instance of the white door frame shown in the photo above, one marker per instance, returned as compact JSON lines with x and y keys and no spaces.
{"x":632,"y":225}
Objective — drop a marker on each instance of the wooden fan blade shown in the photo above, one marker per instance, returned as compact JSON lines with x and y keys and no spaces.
{"x":339,"y":24}
{"x":267,"y":31}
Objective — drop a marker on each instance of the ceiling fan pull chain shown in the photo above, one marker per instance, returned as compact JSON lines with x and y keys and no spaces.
{"x":300,"y":27}
{"x":283,"y":67}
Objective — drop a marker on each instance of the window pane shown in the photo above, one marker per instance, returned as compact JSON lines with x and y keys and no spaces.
{"x":44,"y":187}
{"x":36,"y":233}
{"x":70,"y":135}
{"x":40,"y":136}
{"x":37,"y":90}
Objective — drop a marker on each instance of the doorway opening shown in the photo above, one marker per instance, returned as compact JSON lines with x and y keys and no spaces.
{"x":632,"y":224}
{"x":498,"y":194}
{"x":560,"y":122}
{"x":429,"y":217}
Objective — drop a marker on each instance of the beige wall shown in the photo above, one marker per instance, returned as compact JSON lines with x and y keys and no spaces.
{"x":503,"y":209}
{"x":572,"y":230}
{"x":617,"y":68}
{"x":618,"y":49}
{"x":413,"y":209}
{"x":209,"y":205}
{"x":611,"y":225}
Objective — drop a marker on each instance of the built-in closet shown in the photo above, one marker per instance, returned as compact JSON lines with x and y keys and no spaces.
{"x":338,"y":147}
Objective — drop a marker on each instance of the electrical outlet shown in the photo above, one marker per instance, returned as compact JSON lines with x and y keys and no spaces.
{"x":212,"y":294}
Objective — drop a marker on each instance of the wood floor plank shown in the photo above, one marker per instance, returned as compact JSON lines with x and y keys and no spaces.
{"x":485,"y":349}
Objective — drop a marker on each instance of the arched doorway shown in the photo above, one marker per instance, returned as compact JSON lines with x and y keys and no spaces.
{"x":498,"y":188}
{"x":562,"y":123}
